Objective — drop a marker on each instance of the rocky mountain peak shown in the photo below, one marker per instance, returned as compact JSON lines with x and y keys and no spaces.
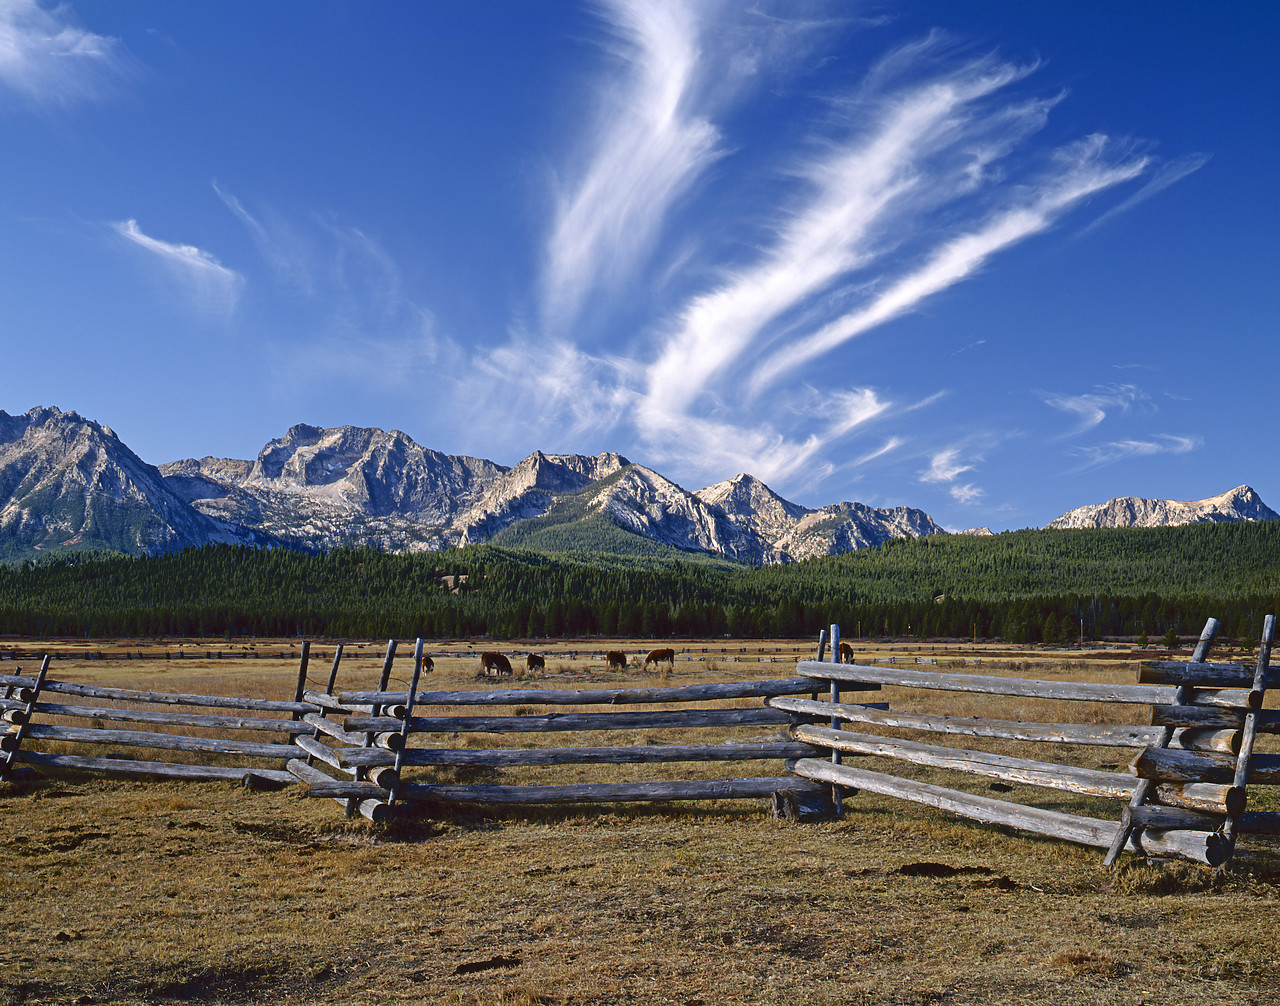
{"x":592,"y":467}
{"x":746,"y":494}
{"x":529,"y":489}
{"x":67,"y":482}
{"x":1238,"y":504}
{"x":650,"y":505}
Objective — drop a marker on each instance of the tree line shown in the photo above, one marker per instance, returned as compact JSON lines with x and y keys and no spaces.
{"x":1023,"y":586}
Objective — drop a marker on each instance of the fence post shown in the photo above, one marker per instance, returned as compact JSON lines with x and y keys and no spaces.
{"x":333,"y":671}
{"x":302,"y":675}
{"x":9,"y":752}
{"x":328,"y":690}
{"x":362,"y":774}
{"x":837,"y":797}
{"x":408,"y":718}
{"x":1250,"y":726}
{"x":822,"y":655}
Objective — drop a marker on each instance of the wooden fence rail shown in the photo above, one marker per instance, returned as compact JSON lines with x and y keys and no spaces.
{"x":1185,"y":791}
{"x":26,"y":707}
{"x":1196,"y":757}
{"x":370,"y":734}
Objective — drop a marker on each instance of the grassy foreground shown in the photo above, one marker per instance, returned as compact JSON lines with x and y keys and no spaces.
{"x":165,"y":893}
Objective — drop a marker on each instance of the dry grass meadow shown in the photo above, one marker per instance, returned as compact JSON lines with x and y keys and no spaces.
{"x":129,"y":892}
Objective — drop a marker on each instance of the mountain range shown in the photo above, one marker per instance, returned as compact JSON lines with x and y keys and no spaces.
{"x":1240,"y":503}
{"x":70,"y":483}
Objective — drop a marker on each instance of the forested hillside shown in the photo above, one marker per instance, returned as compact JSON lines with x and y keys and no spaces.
{"x":1024,"y":586}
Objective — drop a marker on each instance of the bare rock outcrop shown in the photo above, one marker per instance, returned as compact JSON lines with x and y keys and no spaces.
{"x":1238,"y":504}
{"x":69,"y":483}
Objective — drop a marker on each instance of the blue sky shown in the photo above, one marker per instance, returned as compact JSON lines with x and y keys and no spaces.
{"x":992,"y":260}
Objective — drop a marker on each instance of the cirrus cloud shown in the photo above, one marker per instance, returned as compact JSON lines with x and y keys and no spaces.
{"x":1092,"y":408}
{"x":50,"y":61}
{"x":212,"y":286}
{"x":1100,"y":455}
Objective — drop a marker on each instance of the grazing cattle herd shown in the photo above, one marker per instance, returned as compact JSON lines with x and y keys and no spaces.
{"x":493,"y":662}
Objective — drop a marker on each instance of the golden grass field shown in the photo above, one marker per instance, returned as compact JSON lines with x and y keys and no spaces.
{"x":130,"y":892}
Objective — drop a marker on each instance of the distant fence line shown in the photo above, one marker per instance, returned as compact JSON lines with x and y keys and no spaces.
{"x":1184,"y":794}
{"x":686,"y":654}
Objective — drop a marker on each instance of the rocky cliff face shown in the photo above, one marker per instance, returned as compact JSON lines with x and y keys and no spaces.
{"x":69,"y":483}
{"x":1240,"y":503}
{"x":645,"y":503}
{"x":359,"y":486}
{"x":844,"y":527}
{"x":752,"y":505}
{"x":789,"y":532}
{"x":529,"y":489}
{"x":350,"y":486}
{"x":373,"y":472}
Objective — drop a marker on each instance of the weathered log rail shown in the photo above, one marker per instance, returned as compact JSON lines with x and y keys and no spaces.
{"x":1195,"y":758}
{"x":380,"y":727}
{"x":259,"y":757}
{"x":1185,"y":791}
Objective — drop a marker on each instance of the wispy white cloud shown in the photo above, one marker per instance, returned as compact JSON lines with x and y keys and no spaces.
{"x":556,"y":389}
{"x":888,"y":447}
{"x":288,"y":255}
{"x":929,"y":133}
{"x":1164,"y":175}
{"x":675,"y":67}
{"x":1092,"y":408}
{"x":945,"y":466}
{"x":849,"y":410}
{"x":854,"y":189}
{"x":649,"y":144}
{"x":1100,"y":455}
{"x":50,"y":61}
{"x":1085,"y":172}
{"x":365,"y":326}
{"x":212,"y":286}
{"x":912,"y":181}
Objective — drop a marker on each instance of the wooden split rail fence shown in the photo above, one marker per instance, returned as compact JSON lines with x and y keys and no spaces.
{"x":1184,"y":795}
{"x":367,"y":738}
{"x":356,"y":747}
{"x":245,"y":730}
{"x":1186,"y":788}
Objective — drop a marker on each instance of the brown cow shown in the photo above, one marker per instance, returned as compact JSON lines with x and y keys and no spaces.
{"x":616,"y":658}
{"x":534,"y":662}
{"x":428,"y":665}
{"x":495,"y":662}
{"x":665,"y":655}
{"x":846,"y":653}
